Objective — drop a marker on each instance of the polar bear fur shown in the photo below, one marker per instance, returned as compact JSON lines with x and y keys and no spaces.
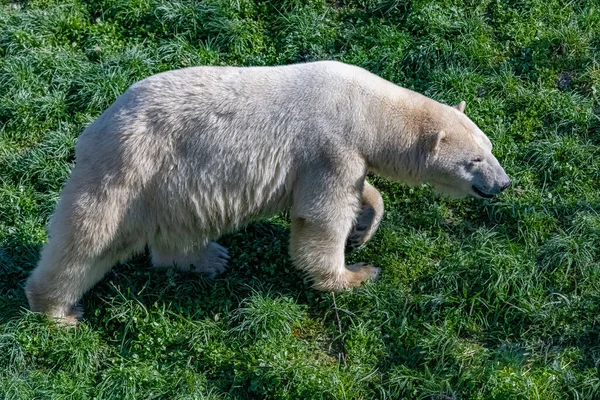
{"x":187,"y":155}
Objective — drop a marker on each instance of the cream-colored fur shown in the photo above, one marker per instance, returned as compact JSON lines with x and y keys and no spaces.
{"x":184,"y":156}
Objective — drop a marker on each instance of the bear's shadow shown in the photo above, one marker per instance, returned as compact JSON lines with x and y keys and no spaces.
{"x":259,"y":264}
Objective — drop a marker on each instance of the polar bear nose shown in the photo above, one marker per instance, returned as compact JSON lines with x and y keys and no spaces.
{"x":506,"y":185}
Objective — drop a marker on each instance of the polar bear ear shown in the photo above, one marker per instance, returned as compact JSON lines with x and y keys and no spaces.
{"x":437,"y":140}
{"x":461,"y":106}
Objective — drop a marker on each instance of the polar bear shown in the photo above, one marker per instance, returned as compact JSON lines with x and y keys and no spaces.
{"x":186,"y":155}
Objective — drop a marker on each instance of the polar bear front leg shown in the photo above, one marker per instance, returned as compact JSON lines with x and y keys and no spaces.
{"x":211,"y":260}
{"x":368,"y":220}
{"x":323,"y":213}
{"x":317,"y":247}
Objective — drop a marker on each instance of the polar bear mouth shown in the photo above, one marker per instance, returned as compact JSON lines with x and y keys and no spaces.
{"x":482,"y":194}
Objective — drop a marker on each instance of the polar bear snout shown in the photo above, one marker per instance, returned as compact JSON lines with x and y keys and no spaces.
{"x":481,"y":193}
{"x":491,"y":183}
{"x":485,"y":195}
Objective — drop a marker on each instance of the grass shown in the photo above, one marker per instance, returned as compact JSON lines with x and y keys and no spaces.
{"x":482,"y":300}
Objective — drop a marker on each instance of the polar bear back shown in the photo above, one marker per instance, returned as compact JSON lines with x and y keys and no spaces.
{"x":223,"y":144}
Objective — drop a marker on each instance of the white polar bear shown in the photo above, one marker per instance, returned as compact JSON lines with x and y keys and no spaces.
{"x":187,"y":155}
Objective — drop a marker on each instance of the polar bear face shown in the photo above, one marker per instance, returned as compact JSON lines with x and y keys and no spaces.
{"x":460,"y":161}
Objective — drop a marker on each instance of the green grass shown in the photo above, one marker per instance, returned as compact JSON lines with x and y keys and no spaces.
{"x":482,"y":300}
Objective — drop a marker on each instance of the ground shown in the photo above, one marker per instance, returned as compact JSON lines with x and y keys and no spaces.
{"x":493,"y":299}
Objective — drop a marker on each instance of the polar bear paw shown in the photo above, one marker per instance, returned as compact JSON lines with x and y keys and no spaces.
{"x":213,"y":261}
{"x":353,"y":276}
{"x":71,"y":318}
{"x":362,"y":230}
{"x":361,"y":272}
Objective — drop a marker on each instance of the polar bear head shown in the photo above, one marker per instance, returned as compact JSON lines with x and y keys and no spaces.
{"x":458,"y":156}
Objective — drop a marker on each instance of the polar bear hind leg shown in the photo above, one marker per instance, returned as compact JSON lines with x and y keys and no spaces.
{"x":86,"y":241}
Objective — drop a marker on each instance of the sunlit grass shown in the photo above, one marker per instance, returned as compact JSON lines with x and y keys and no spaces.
{"x":486,"y":300}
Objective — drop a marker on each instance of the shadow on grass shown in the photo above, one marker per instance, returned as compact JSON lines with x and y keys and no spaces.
{"x":259,"y":260}
{"x":259,"y":264}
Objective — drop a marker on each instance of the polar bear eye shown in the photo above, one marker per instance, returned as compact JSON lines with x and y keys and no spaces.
{"x":478,"y":159}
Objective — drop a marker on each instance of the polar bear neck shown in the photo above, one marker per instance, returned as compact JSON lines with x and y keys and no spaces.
{"x":397,"y":120}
